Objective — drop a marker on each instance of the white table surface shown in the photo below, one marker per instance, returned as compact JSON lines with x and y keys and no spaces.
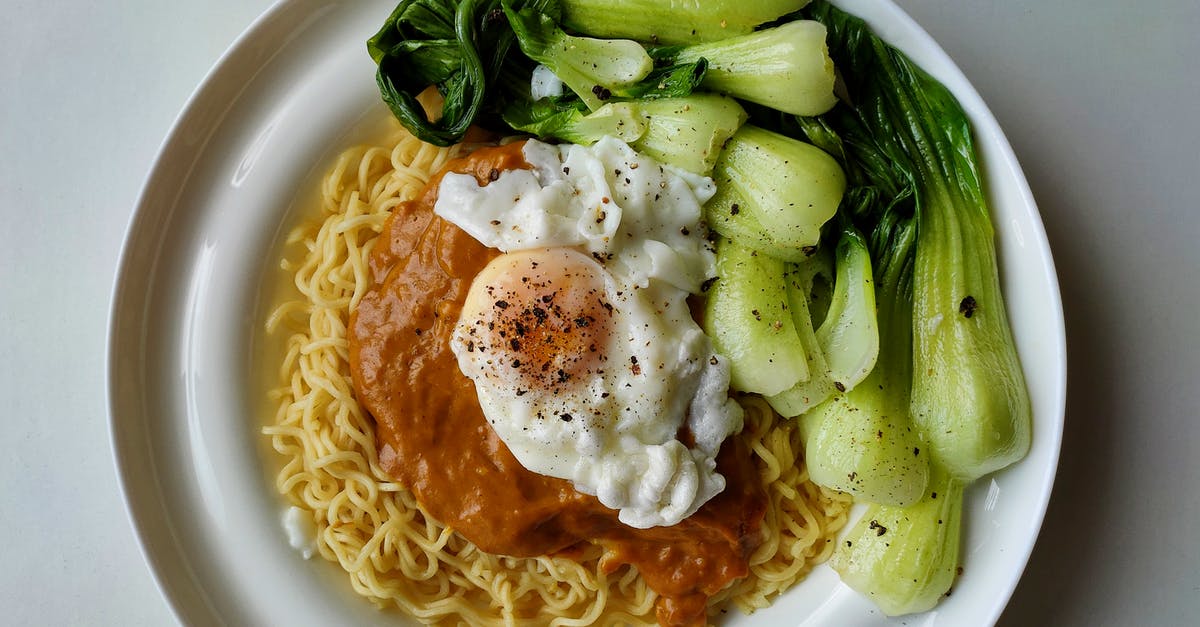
{"x":1100,"y":100}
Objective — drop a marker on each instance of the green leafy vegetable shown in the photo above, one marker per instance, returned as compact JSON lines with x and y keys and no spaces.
{"x":863,"y":441}
{"x":774,"y":193}
{"x":673,"y":21}
{"x":968,"y":392}
{"x":849,"y":335}
{"x":688,"y":132}
{"x":670,"y":77}
{"x":905,"y":559}
{"x":568,"y":119}
{"x":592,"y":68}
{"x":748,"y":319}
{"x":786,"y":67}
{"x":819,"y":384}
{"x":459,"y":46}
{"x":466,"y":49}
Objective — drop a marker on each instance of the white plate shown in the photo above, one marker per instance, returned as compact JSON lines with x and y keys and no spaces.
{"x":185,"y":396}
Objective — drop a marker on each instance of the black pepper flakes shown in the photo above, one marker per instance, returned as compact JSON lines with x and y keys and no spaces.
{"x":879,"y":529}
{"x":968,"y":306}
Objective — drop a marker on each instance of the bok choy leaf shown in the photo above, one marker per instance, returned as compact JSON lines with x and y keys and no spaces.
{"x":459,"y":46}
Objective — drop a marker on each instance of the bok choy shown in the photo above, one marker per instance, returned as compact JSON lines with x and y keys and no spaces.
{"x":863,"y":441}
{"x":968,"y":392}
{"x":905,"y":559}
{"x":458,"y":46}
{"x":481,"y":55}
{"x":786,"y":67}
{"x":673,"y":21}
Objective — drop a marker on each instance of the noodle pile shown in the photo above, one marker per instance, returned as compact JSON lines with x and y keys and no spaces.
{"x":372,"y":527}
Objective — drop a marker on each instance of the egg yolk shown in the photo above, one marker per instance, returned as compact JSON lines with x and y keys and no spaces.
{"x":542,"y":317}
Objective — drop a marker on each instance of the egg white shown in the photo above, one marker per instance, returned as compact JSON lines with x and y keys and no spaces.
{"x":631,"y":230}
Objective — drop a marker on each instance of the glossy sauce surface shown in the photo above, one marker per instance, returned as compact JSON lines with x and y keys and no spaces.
{"x":434,"y":439}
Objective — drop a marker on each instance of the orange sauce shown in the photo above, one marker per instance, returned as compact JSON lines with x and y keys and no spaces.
{"x":434,"y":439}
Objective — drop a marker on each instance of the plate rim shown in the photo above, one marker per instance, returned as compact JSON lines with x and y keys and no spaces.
{"x":122,"y":461}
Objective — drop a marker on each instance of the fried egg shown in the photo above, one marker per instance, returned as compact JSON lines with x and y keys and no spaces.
{"x":579,"y":339}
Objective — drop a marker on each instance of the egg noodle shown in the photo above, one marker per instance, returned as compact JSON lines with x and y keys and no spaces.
{"x":374,"y":529}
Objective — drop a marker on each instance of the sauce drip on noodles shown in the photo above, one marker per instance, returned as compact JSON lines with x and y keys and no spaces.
{"x":433,"y":438}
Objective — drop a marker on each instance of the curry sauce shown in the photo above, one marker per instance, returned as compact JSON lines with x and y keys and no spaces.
{"x":434,"y":439}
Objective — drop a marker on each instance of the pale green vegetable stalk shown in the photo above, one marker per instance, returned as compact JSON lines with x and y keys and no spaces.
{"x":587,"y":65}
{"x":969,"y":396}
{"x":673,"y":21}
{"x":863,"y":442}
{"x":574,"y":124}
{"x":688,"y":132}
{"x":849,"y":335}
{"x":819,"y":385}
{"x":905,"y":559}
{"x":774,"y":193}
{"x":786,"y":67}
{"x":747,"y":316}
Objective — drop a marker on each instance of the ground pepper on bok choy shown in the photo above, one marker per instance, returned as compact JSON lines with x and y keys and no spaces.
{"x":858,"y":284}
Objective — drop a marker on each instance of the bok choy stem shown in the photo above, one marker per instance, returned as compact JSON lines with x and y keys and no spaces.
{"x":863,"y":442}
